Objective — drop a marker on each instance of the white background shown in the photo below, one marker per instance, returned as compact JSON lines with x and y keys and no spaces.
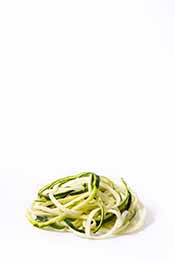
{"x":87,"y":85}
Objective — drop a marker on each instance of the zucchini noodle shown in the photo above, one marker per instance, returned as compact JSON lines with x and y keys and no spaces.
{"x":89,"y":205}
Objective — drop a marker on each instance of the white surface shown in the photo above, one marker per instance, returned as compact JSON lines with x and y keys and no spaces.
{"x":87,"y":85}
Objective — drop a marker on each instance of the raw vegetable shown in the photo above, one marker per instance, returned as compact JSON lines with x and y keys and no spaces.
{"x":88,"y":205}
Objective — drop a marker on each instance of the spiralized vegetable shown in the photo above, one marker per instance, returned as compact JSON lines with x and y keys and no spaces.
{"x":88,"y":205}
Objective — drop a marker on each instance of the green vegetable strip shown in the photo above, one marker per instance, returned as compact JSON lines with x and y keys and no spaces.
{"x":88,"y":205}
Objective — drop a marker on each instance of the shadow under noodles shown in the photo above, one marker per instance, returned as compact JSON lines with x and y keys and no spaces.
{"x":149,"y":220}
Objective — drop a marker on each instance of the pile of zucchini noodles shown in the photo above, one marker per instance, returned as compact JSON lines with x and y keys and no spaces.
{"x":89,"y":205}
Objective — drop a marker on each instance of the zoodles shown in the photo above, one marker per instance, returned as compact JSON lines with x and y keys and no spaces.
{"x":88,"y":205}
